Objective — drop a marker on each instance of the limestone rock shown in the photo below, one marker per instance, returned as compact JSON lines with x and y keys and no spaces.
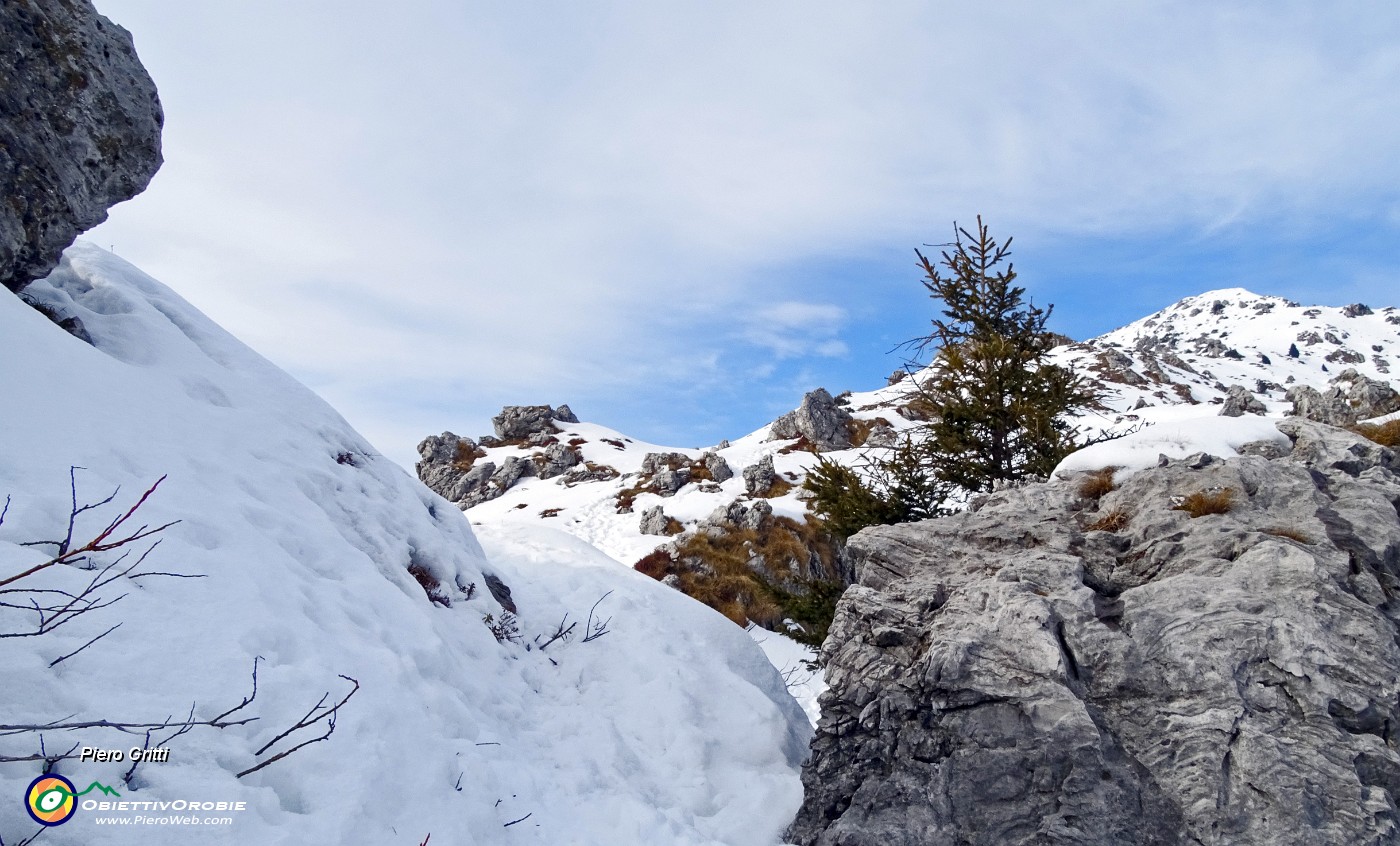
{"x":720,"y":471}
{"x":1239,"y":402}
{"x":555,"y":460}
{"x":759,"y":478}
{"x":80,"y":130}
{"x":1036,"y":673}
{"x":819,"y":419}
{"x":1349,"y":397}
{"x":518,"y":422}
{"x":653,"y":521}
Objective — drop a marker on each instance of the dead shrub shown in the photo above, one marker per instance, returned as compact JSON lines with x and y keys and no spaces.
{"x":1112,"y":521}
{"x":431,"y":586}
{"x":1386,"y":434}
{"x":779,"y":488}
{"x":657,"y":564}
{"x":466,"y":456}
{"x":1097,"y":483}
{"x":1201,"y":503}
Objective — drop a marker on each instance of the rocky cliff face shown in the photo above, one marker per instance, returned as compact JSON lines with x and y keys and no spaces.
{"x":79,"y":129}
{"x":1054,"y":668}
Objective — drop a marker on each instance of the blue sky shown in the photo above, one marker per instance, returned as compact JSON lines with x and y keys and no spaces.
{"x":678,"y":217}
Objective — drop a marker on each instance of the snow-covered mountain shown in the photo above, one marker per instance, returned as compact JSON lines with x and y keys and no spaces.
{"x":301,"y":551}
{"x":1177,"y":365}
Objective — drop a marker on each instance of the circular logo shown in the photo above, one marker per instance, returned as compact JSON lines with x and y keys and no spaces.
{"x":50,"y":800}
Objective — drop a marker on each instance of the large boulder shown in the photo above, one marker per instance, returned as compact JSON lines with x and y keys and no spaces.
{"x":79,"y":129}
{"x":519,"y":422}
{"x":1349,"y":397}
{"x":1055,"y":669}
{"x":819,"y":419}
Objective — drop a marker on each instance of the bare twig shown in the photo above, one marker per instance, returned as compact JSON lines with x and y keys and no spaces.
{"x":522,"y":819}
{"x":313,"y":716}
{"x":59,"y":660}
{"x":561,"y":633}
{"x":107,"y":539}
{"x":594,"y":630}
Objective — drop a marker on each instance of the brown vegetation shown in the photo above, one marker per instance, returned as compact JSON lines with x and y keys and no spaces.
{"x":1094,"y":485}
{"x":1111,"y":521}
{"x":1201,"y":503}
{"x":1386,"y":434}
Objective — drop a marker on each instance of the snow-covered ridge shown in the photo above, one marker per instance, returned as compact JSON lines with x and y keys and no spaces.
{"x":672,"y":728}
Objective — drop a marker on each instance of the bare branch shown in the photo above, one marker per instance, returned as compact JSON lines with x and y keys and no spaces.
{"x":594,"y":630}
{"x":313,"y":716}
{"x":55,"y":662}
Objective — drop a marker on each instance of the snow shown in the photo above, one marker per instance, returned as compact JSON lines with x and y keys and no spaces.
{"x":671,"y":728}
{"x":1218,"y":436}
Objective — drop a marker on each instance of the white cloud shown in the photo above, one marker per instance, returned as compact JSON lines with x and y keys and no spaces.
{"x":559,"y":200}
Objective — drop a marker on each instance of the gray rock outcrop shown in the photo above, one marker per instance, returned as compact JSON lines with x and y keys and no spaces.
{"x":759,"y":478}
{"x":1048,"y":669}
{"x":79,"y":129}
{"x":1349,"y":397}
{"x":719,"y":469}
{"x":818,"y":419}
{"x":449,"y":466}
{"x":556,"y":459}
{"x":653,"y":521}
{"x":1239,"y":402}
{"x":519,"y":422}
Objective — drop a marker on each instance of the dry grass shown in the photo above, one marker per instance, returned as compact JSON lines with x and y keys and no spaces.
{"x":466,"y":456}
{"x":1386,"y":434}
{"x":551,"y":512}
{"x":1286,"y":532}
{"x":1201,"y":503}
{"x":1112,"y":521}
{"x":779,"y":487}
{"x":1097,"y":483}
{"x":573,"y":442}
{"x":714,"y":568}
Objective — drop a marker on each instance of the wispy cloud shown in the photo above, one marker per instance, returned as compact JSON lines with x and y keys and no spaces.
{"x":505,"y":202}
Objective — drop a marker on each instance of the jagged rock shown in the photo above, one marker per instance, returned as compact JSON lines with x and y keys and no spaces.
{"x":1349,"y":397}
{"x":500,"y":591}
{"x":656,"y":462}
{"x":719,"y":469}
{"x":80,"y":129}
{"x":669,"y":482}
{"x":1357,"y":309}
{"x":1009,"y":676}
{"x":759,"y":478}
{"x":555,"y":460}
{"x":511,"y":470}
{"x":819,"y":419}
{"x":518,"y":422}
{"x":653,"y":521}
{"x":1239,"y":402}
{"x":896,"y":377}
{"x":881,"y":435}
{"x":737,"y":514}
{"x":446,"y":462}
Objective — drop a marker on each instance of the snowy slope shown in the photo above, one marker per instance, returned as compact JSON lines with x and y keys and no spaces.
{"x":672,"y":728}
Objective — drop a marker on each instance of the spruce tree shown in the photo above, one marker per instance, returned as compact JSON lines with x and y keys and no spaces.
{"x":999,"y":401}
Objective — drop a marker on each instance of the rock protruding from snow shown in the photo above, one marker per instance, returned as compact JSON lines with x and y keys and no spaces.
{"x":519,"y":422}
{"x":1350,"y":397}
{"x":81,"y":130}
{"x":818,"y":419}
{"x":759,"y":478}
{"x":1049,"y":668}
{"x":653,"y":521}
{"x":449,"y":466}
{"x":556,"y":459}
{"x":1239,"y":402}
{"x":719,"y":469}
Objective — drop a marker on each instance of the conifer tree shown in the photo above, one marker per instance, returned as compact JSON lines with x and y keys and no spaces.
{"x":999,"y":401}
{"x":996,"y":402}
